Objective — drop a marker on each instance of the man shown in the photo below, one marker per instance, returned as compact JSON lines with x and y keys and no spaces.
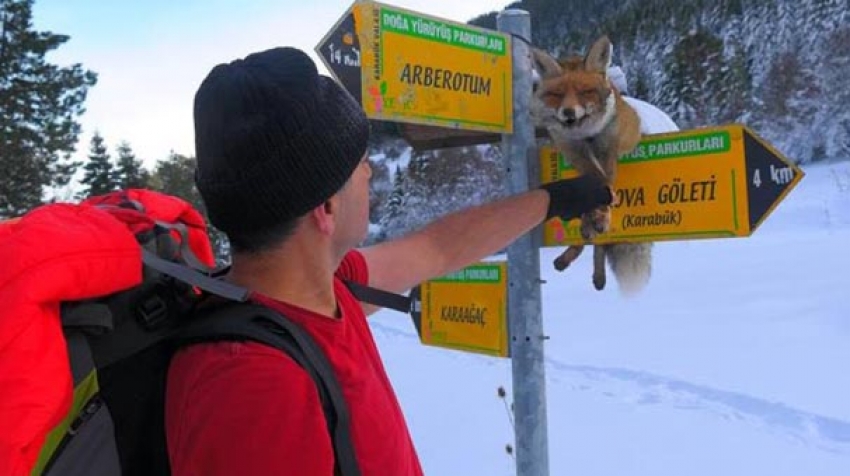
{"x":282,"y":168}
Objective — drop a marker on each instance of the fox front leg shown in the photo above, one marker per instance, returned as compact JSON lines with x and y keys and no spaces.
{"x":600,"y":219}
{"x":588,"y":226}
{"x":599,"y":267}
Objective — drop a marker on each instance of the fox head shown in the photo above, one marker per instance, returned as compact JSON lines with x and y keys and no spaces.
{"x":574,"y":97}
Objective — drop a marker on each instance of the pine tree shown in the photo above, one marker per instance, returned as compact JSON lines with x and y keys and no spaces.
{"x":176,"y":176}
{"x":641,"y":88}
{"x":129,"y":172}
{"x":833,"y":71}
{"x":380,"y":187}
{"x":417,"y":167}
{"x":39,"y":105}
{"x":695,"y":68}
{"x":437,"y":182}
{"x":395,"y":201}
{"x":785,"y":109}
{"x":734,"y":87}
{"x":99,"y":173}
{"x":406,"y":205}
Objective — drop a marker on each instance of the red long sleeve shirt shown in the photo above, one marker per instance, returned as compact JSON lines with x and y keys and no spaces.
{"x":246,"y":409}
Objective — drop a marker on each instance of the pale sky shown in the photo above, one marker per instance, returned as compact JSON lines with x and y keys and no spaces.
{"x":151,"y":55}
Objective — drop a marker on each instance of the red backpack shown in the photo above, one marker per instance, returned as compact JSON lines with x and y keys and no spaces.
{"x":96,"y":298}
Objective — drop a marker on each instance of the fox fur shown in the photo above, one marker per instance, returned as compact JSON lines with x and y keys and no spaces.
{"x":588,"y":120}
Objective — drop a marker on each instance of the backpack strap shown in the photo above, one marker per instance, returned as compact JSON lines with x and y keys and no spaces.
{"x":363,"y":293}
{"x":243,"y":321}
{"x":191,"y":276}
{"x":379,"y":297}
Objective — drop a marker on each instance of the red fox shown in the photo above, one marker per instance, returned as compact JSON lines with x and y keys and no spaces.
{"x":593,"y":126}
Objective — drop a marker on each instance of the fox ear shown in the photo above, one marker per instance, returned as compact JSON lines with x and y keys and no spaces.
{"x":598,"y":57}
{"x":544,"y":64}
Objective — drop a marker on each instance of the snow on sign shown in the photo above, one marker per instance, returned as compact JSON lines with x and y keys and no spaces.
{"x":410,"y":67}
{"x":700,"y":183}
{"x":466,"y":310}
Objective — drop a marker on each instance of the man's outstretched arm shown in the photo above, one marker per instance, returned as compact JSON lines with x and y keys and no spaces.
{"x":461,"y":238}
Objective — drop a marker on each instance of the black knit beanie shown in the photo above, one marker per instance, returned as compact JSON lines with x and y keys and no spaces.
{"x":273,"y":139}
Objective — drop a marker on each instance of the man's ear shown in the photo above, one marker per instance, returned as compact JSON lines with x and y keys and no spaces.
{"x":325,"y":215}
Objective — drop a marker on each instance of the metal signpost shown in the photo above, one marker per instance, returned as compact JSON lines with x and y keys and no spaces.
{"x":524,"y":302}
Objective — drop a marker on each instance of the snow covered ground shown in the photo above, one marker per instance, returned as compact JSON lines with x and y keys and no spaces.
{"x":733,"y":361}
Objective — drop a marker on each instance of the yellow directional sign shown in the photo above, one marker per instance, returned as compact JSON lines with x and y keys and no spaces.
{"x":700,"y":183}
{"x":420,"y":69}
{"x":466,"y":310}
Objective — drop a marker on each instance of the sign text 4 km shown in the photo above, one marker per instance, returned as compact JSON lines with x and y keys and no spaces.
{"x":700,"y":183}
{"x":410,"y":67}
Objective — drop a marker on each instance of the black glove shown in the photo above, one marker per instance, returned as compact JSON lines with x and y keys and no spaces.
{"x":572,"y":197}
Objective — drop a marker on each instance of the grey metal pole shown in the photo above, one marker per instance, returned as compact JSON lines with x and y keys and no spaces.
{"x":524,"y":307}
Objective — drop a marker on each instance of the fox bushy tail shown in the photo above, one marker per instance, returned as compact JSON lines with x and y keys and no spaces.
{"x":631,"y":264}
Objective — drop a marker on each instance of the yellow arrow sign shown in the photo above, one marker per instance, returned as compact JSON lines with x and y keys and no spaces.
{"x":420,"y":69}
{"x":701,"y":183}
{"x":466,"y":310}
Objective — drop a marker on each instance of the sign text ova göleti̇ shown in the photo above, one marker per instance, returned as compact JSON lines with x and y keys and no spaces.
{"x":420,"y":69}
{"x":683,"y":185}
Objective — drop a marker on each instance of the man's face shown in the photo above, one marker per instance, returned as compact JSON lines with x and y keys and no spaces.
{"x":353,"y":220}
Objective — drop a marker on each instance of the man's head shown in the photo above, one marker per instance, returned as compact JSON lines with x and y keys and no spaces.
{"x":274,"y":139}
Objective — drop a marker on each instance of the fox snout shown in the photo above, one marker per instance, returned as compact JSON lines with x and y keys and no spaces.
{"x":570,"y":115}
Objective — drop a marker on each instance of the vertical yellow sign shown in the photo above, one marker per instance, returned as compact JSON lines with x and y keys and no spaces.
{"x":421,"y":69}
{"x":467,"y":310}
